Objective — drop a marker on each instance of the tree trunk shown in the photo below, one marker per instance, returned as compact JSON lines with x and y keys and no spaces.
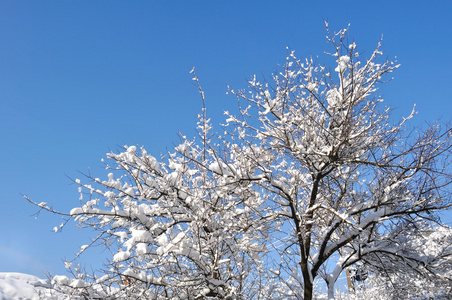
{"x":308,"y":286}
{"x":330,"y":290}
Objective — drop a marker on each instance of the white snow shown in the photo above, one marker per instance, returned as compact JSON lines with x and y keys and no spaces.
{"x":121,"y":256}
{"x":142,"y":249}
{"x":78,"y":283}
{"x":61,"y":279}
{"x":342,"y":64}
{"x":76,"y":211}
{"x":21,"y":286}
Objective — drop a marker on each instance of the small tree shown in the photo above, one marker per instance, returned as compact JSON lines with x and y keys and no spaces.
{"x":176,"y":228}
{"x":310,"y":178}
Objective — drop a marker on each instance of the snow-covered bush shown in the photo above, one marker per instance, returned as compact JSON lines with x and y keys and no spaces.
{"x":434,"y":245}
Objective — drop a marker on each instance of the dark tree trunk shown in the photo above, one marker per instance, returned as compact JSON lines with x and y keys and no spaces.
{"x":308,"y":290}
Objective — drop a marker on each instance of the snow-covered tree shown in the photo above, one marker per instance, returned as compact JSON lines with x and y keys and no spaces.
{"x":401,"y":282}
{"x":342,"y":179}
{"x":311,"y":176}
{"x":398,"y":280}
{"x":178,"y":228}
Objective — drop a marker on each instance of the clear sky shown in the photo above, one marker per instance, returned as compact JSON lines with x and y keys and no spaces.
{"x":81,"y":78}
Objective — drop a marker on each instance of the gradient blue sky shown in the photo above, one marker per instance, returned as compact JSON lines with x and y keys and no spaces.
{"x":81,"y":78}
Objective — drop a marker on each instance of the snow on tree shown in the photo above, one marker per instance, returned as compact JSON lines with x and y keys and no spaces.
{"x":399,"y":282}
{"x":312,"y":176}
{"x":178,"y":229}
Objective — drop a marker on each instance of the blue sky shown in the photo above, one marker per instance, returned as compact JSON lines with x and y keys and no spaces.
{"x":81,"y":78}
